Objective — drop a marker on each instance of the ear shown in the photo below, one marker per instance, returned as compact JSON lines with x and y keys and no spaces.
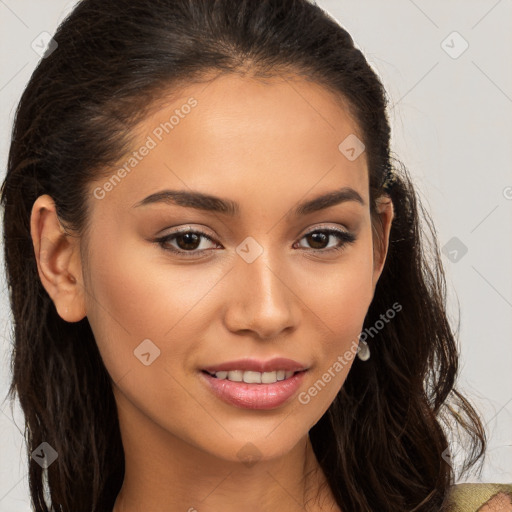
{"x":58,"y":259}
{"x":385,"y":212}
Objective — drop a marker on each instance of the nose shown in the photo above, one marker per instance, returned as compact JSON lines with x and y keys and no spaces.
{"x":261,"y":299}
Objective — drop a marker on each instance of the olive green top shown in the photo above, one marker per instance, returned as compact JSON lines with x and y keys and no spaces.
{"x":480,"y":497}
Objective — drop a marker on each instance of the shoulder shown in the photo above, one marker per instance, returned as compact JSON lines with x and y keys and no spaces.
{"x":480,"y":497}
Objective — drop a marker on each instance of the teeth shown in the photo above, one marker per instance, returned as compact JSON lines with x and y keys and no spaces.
{"x":236,"y":375}
{"x":268,"y":377}
{"x":254,"y":377}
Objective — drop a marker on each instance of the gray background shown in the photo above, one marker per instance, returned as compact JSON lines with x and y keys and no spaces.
{"x":452,"y":127}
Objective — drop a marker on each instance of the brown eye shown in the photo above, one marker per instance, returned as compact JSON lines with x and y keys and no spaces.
{"x":190,"y":241}
{"x":319,"y":239}
{"x":187,"y":242}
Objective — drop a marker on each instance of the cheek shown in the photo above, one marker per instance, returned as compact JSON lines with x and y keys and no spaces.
{"x":340,"y":303}
{"x":123,"y":306}
{"x":340,"y":294}
{"x":134,"y":296}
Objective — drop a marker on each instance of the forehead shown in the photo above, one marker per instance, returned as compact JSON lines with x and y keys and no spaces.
{"x":233,"y":135}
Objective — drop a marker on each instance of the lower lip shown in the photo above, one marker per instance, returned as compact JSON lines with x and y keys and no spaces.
{"x":254,"y":396}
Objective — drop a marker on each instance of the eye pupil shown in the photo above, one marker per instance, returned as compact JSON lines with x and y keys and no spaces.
{"x":318,"y":237}
{"x":195,"y":242}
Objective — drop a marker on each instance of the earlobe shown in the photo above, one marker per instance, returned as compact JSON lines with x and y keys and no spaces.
{"x":58,"y":260}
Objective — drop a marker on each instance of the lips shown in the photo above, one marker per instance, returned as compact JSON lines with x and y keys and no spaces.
{"x":254,"y":396}
{"x":253,"y":365}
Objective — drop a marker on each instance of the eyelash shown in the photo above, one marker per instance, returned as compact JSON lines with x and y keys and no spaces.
{"x":344,"y":237}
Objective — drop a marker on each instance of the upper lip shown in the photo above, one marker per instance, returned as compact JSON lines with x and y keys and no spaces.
{"x":255,"y":365}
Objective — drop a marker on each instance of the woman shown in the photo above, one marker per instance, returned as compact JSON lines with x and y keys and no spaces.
{"x":203,"y":226}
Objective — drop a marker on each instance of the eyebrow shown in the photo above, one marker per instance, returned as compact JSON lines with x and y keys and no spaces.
{"x":200,"y":201}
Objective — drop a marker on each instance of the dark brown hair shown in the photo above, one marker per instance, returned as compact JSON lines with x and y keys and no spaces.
{"x":383,"y":442}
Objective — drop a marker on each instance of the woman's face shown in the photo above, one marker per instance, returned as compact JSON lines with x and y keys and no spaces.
{"x":257,"y":280}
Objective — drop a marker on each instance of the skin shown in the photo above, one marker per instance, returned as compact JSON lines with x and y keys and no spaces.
{"x":497,"y":503}
{"x":266,"y":146}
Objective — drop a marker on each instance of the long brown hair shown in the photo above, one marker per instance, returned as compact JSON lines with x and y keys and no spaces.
{"x":383,"y":443}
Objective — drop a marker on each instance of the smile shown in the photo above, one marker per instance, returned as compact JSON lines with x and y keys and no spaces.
{"x":254,"y":395}
{"x":252,"y":377}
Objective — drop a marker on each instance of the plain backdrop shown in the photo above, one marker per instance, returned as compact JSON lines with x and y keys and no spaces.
{"x":447,"y":69}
